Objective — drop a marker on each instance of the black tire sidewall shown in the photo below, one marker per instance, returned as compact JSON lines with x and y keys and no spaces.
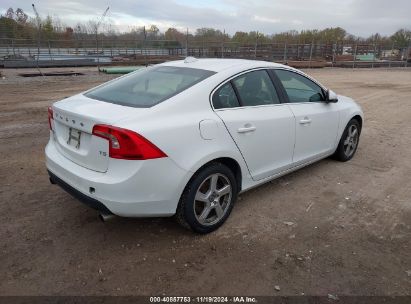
{"x":191,"y":190}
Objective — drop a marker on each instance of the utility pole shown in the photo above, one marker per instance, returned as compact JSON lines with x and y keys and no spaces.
{"x":97,"y":27}
{"x":38,"y":20}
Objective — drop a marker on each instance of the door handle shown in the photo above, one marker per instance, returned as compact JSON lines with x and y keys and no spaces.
{"x":246,"y":128}
{"x":305,"y":121}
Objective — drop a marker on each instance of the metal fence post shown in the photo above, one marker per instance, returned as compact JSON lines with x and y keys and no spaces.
{"x":392,"y":51}
{"x":311,"y":54}
{"x":285,"y":53}
{"x":222,"y":45}
{"x":12,"y":45}
{"x":272,"y":52}
{"x":255,"y":47}
{"x":187,"y":43}
{"x":48,"y":43}
{"x":355,"y":55}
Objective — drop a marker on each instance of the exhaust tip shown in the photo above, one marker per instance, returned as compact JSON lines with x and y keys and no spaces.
{"x":105,"y":217}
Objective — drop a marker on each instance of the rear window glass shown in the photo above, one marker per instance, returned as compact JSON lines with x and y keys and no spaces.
{"x":149,"y":86}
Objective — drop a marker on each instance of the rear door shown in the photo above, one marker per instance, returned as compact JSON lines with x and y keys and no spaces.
{"x":262,"y":127}
{"x":316,"y":122}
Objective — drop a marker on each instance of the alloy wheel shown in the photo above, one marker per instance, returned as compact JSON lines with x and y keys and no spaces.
{"x":351,"y":141}
{"x":212,"y":199}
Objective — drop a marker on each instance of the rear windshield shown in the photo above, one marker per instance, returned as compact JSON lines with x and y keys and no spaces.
{"x":149,"y":86}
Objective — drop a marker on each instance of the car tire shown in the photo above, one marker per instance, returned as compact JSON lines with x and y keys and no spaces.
{"x":349,"y":141}
{"x":208,"y":199}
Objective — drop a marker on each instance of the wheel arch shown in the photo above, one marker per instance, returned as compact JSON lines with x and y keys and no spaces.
{"x":230,"y":162}
{"x":359,"y":119}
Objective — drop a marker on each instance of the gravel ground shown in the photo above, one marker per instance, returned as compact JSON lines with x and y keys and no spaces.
{"x":330,"y":228}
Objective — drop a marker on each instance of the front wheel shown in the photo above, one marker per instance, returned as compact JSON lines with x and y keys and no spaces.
{"x":208,"y":199}
{"x":349,"y":141}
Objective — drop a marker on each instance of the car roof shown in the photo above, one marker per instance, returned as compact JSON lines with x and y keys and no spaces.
{"x":218,"y":65}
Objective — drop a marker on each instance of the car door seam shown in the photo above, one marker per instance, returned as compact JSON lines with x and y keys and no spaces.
{"x":238,"y":148}
{"x":295,"y":131}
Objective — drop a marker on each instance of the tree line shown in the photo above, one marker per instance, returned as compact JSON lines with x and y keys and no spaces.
{"x":17,"y":24}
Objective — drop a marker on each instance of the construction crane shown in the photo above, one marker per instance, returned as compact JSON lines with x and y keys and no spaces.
{"x":38,"y":37}
{"x":102,"y":17}
{"x":37,"y":16}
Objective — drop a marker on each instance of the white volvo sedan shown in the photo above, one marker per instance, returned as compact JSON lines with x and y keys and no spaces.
{"x":184,"y":138}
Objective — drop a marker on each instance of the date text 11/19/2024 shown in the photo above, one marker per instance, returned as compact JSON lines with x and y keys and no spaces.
{"x":202,"y":299}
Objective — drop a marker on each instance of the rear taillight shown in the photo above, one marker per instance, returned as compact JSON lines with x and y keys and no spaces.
{"x":50,"y":114}
{"x":126,"y":144}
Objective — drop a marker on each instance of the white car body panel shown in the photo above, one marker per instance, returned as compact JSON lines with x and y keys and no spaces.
{"x":191,"y":133}
{"x":316,"y":127}
{"x":268,"y":145}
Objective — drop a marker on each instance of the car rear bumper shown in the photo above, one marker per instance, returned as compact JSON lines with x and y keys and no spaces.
{"x":90,"y":202}
{"x":129,"y":188}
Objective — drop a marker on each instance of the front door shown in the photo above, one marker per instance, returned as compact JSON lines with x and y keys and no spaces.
{"x":316,"y":122}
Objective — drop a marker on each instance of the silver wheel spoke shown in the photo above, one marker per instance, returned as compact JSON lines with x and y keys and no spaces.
{"x":347,"y":141}
{"x":219,"y":210}
{"x":354,"y":133}
{"x":347,"y":150}
{"x":201,"y":197}
{"x":223,"y":191}
{"x":204,"y":214}
{"x":350,"y":131}
{"x":213,"y":182}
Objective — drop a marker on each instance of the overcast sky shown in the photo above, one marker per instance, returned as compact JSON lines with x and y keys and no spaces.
{"x":358,"y":17}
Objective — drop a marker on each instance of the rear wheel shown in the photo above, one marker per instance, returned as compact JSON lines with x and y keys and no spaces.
{"x":349,"y":141}
{"x":208,"y":199}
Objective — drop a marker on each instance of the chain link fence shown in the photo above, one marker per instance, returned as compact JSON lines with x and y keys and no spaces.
{"x":82,"y":52}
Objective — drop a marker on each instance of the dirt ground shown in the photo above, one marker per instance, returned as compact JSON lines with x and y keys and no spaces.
{"x":330,"y":228}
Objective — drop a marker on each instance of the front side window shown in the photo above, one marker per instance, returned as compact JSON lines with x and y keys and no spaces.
{"x":149,"y":86}
{"x":300,"y":88}
{"x":256,"y":88}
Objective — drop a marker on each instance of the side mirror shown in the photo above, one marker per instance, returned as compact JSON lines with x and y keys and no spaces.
{"x":331,"y":96}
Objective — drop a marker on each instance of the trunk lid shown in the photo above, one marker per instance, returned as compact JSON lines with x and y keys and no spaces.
{"x":73,"y":121}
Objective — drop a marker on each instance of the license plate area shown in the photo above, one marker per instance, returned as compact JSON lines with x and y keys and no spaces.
{"x":74,"y":138}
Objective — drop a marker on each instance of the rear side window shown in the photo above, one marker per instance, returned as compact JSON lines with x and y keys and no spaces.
{"x":149,"y":86}
{"x":225,"y":97}
{"x":300,"y":88}
{"x":256,"y":88}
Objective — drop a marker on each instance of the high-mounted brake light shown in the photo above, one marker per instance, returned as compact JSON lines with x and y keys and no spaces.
{"x":50,"y":114}
{"x":126,"y":144}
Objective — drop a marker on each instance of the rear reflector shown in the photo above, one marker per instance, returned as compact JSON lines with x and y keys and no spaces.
{"x":126,"y":144}
{"x":50,"y":114}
